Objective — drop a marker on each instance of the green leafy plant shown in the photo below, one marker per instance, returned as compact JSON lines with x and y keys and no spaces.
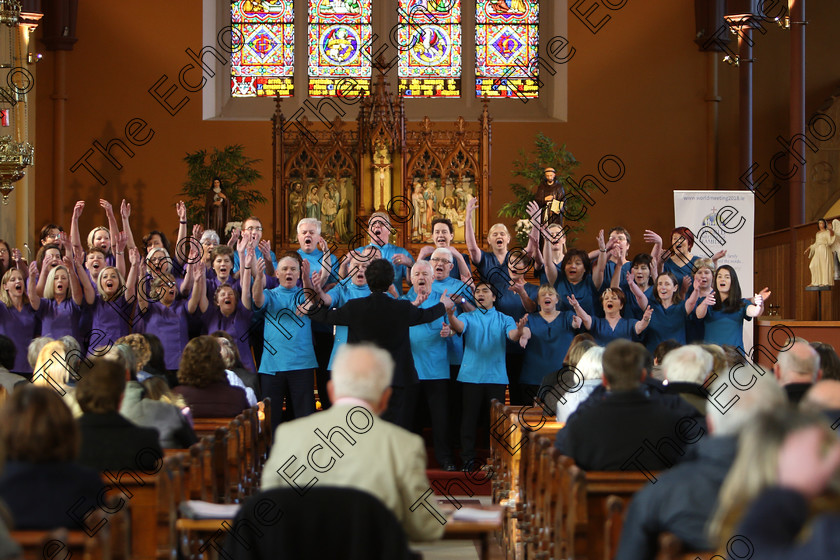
{"x":530,"y":168}
{"x":237,"y":173}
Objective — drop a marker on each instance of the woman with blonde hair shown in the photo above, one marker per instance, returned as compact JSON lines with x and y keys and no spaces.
{"x":591,"y":369}
{"x":755,"y":466}
{"x":19,"y":313}
{"x":53,"y":370}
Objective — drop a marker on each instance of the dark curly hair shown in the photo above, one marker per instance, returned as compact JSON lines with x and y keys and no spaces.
{"x":201,"y":363}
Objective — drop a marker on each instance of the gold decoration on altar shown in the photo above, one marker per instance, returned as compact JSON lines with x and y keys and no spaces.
{"x":10,"y":12}
{"x":15,"y":157}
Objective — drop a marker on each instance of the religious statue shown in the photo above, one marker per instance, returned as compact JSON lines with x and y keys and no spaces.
{"x":822,"y":252}
{"x":328,"y":212}
{"x":216,"y":208}
{"x":297,"y":210}
{"x":313,"y":203}
{"x":382,"y":164}
{"x":418,"y":216}
{"x":550,"y":196}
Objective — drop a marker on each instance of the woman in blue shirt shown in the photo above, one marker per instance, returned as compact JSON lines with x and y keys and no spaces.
{"x":668,"y":319}
{"x":612,"y":325}
{"x":725,"y":311}
{"x":546,"y":340}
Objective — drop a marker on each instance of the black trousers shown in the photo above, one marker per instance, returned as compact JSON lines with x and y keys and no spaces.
{"x":295,"y":387}
{"x":476,"y":416}
{"x":323,"y":343}
{"x":402,"y":405}
{"x":513,"y":363}
{"x":437,"y":394}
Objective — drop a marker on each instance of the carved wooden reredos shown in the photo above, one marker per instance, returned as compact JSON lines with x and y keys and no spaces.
{"x":343,"y":172}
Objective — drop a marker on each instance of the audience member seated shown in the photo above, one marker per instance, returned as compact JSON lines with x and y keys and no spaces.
{"x":686,"y":369}
{"x":683,"y":499}
{"x":234,"y":363}
{"x":754,"y":469}
{"x":807,"y":463}
{"x":8,"y":353}
{"x":109,"y":440}
{"x":52,"y":370}
{"x":609,"y":433}
{"x":41,"y":480}
{"x":797,"y":368}
{"x":348,"y":445}
{"x":174,"y":430}
{"x":204,"y":384}
{"x":156,"y":364}
{"x":557,"y":383}
{"x":824,"y":395}
{"x":35,"y":348}
{"x":829,"y":361}
{"x":142,"y":354}
{"x":229,"y":359}
{"x":591,"y":369}
{"x":659,"y":354}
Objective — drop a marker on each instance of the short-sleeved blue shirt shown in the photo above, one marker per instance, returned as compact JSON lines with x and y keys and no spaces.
{"x":491,"y":270}
{"x":288,"y":337}
{"x":727,"y":328}
{"x":340,"y":295}
{"x":455,"y":272}
{"x":428,"y":348}
{"x":609,"y":270}
{"x":315,"y":257}
{"x":485,"y":339}
{"x":258,"y":256}
{"x":547,"y":346}
{"x":584,"y":291}
{"x":604,"y":333}
{"x":665,"y":324}
{"x":631,"y":308}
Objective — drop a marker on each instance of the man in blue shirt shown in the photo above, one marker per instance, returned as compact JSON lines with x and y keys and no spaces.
{"x":379,"y":231}
{"x":253,"y":227}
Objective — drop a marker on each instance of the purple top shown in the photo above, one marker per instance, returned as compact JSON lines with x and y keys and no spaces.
{"x":61,"y":319}
{"x":214,"y":283}
{"x":112,"y":320}
{"x":170,"y":325}
{"x":237,"y":326}
{"x":21,"y":326}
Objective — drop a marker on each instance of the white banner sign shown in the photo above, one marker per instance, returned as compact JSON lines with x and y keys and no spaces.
{"x":722,"y":220}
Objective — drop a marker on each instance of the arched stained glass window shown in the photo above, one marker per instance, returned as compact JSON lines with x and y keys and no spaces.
{"x":430,"y":54}
{"x":506,"y":48}
{"x":263,"y":45}
{"x":339,"y":48}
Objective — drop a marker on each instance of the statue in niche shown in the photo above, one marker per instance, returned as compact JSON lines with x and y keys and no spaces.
{"x":550,"y":196}
{"x":216,"y":207}
{"x":328,"y":213}
{"x":382,"y":172}
{"x":296,"y":208}
{"x":313,"y":203}
{"x":822,"y":253}
{"x":418,"y":215}
{"x":343,"y":225}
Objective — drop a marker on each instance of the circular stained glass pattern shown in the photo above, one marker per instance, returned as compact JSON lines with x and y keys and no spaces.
{"x":340,"y":44}
{"x":431,"y":45}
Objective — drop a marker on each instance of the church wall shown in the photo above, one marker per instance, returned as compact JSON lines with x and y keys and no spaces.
{"x":636,"y":91}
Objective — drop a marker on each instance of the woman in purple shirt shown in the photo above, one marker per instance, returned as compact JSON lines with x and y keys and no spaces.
{"x":230,"y":314}
{"x":63,"y":298}
{"x":166,"y":316}
{"x":19,"y":317}
{"x":112,"y":315}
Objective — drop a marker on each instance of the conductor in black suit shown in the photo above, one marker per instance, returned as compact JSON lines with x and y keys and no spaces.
{"x":384,"y":321}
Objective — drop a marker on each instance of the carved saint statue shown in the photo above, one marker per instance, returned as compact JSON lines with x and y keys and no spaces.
{"x":550,"y":196}
{"x":216,"y":207}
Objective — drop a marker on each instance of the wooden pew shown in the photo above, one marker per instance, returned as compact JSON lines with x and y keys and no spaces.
{"x":672,"y":548}
{"x":152,"y":503}
{"x":587,"y":507}
{"x":111,"y":542}
{"x":616,"y":509}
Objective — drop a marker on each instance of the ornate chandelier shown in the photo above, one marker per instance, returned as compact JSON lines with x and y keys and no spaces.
{"x":15,"y":157}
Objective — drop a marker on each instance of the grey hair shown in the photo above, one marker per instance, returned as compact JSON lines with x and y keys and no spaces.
{"x":313,"y":221}
{"x":444,"y":252}
{"x":34,"y":349}
{"x":362,"y":371}
{"x":765,"y":395}
{"x":687,"y":364}
{"x":591,"y":364}
{"x":123,"y":355}
{"x":210,"y":234}
{"x":803,"y":362}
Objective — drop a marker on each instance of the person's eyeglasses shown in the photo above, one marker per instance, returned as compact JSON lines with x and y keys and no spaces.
{"x":253,"y":228}
{"x":3,"y":251}
{"x":443,"y":261}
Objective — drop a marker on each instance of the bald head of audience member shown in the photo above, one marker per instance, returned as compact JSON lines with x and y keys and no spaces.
{"x":798,"y":364}
{"x":729,"y":418}
{"x":626,"y":365}
{"x":362,"y":371}
{"x":824,"y":395}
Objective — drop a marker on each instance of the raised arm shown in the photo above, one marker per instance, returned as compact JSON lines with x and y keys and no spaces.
{"x":550,"y":267}
{"x":658,"y":258}
{"x":585,"y":318}
{"x":34,"y":300}
{"x":472,"y":247}
{"x":181,"y":209}
{"x":703,"y":308}
{"x":643,"y":324}
{"x":143,"y":298}
{"x":199,"y":286}
{"x":42,"y":278}
{"x":75,"y":287}
{"x":265,"y":249}
{"x":125,"y":212}
{"x":757,"y":308}
{"x":120,"y":243}
{"x":598,"y":269}
{"x":259,"y":284}
{"x":519,"y":287}
{"x":326,"y":262}
{"x":454,"y":322}
{"x":75,"y":237}
{"x":131,"y":281}
{"x":460,"y":261}
{"x":113,"y":227}
{"x":641,"y":298}
{"x":248,"y":262}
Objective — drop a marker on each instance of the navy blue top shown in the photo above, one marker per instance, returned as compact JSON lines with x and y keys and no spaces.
{"x":727,"y":328}
{"x":547,"y":346}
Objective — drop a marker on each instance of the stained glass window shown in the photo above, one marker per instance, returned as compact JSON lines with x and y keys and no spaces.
{"x":339,"y":48}
{"x":430,"y":48}
{"x":263,"y":45}
{"x":506,"y":48}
